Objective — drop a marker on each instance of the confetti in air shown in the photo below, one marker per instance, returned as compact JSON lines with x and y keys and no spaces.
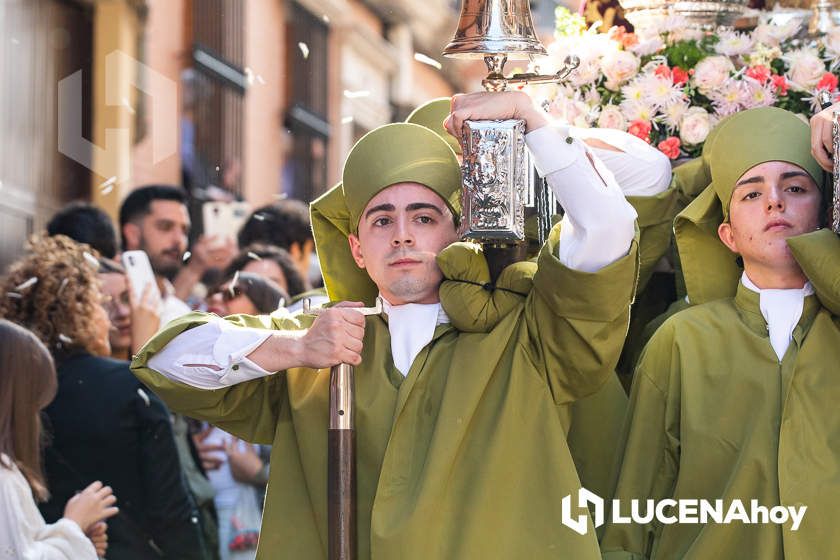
{"x":249,"y":75}
{"x":420,"y":57}
{"x":63,"y":284}
{"x":254,"y":256}
{"x":186,"y":256}
{"x":356,"y":94}
{"x":91,"y":260}
{"x":304,"y":49}
{"x":13,"y":295}
{"x":107,"y":186}
{"x":65,"y":339}
{"x":144,"y":396}
{"x":281,"y":196}
{"x":31,"y":282}
{"x":217,"y":168}
{"x":232,"y":286}
{"x":260,"y":79}
{"x":325,"y":18}
{"x":259,"y":217}
{"x":346,"y":120}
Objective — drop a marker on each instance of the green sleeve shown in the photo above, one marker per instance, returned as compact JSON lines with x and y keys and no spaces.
{"x":248,"y":410}
{"x":818,"y":253}
{"x":577,"y":320}
{"x":656,"y":221}
{"x":649,"y":462}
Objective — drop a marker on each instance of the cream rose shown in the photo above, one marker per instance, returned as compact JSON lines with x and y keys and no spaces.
{"x":806,"y":69}
{"x":832,"y":40}
{"x":695,"y":126}
{"x":618,"y":67}
{"x":711,"y":72}
{"x":611,"y":117}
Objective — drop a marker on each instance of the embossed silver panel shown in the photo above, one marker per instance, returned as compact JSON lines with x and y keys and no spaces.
{"x":496,"y":176}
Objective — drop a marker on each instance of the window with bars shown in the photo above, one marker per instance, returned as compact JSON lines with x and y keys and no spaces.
{"x":305,"y":173}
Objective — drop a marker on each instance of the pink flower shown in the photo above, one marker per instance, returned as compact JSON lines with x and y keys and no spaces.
{"x":827,"y":82}
{"x":640,"y":129}
{"x":695,"y":126}
{"x":711,"y":72}
{"x":670,"y":147}
{"x":780,"y":84}
{"x":758,"y":73}
{"x":663,"y":71}
{"x":618,"y":67}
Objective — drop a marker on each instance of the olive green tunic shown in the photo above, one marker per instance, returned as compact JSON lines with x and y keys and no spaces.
{"x":465,"y":457}
{"x":715,"y":415}
{"x":594,"y":423}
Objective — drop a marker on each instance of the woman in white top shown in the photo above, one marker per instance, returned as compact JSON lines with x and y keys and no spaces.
{"x":27,"y":384}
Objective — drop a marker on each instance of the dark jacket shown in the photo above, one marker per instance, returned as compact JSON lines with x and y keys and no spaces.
{"x":105,"y":425}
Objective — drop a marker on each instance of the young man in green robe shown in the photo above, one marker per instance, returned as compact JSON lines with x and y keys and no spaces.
{"x":593,"y":424}
{"x":735,"y":397}
{"x":460,"y":451}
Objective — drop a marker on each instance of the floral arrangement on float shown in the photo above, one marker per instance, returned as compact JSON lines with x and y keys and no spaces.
{"x":670,"y":84}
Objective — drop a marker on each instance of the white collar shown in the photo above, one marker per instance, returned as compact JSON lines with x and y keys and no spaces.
{"x":412,"y":327}
{"x":782,"y":309}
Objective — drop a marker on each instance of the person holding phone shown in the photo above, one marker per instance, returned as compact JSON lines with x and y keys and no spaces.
{"x":103,"y":423}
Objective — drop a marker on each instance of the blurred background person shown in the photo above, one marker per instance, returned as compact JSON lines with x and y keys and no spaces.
{"x":155,"y":219}
{"x":285,"y":224}
{"x":104,"y":424}
{"x":271,"y":262}
{"x":27,"y":384}
{"x":86,"y":223}
{"x":132,"y":322}
{"x":246,"y":293}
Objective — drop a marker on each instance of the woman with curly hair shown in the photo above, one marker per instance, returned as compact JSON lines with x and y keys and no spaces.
{"x":27,"y":385}
{"x":105,"y":425}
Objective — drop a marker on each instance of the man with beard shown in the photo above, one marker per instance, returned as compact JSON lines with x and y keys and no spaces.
{"x":154,"y":219}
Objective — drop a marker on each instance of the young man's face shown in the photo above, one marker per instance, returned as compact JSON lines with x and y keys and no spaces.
{"x":771,"y":202}
{"x":401,"y":231}
{"x":162,"y":233}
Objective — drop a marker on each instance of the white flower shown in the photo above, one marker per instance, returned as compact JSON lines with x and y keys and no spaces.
{"x":587,"y":72}
{"x":762,"y":55}
{"x":648,"y":45}
{"x":772,"y":34}
{"x":729,"y":97}
{"x":832,"y":41}
{"x":673,"y":113}
{"x":711,"y":72}
{"x":633,"y":91}
{"x":670,"y":23}
{"x":686,"y":34}
{"x":806,"y":68}
{"x":637,"y":110}
{"x":577,"y":113}
{"x":732,"y":43}
{"x":611,"y":117}
{"x":695,"y":126}
{"x":658,"y":91}
{"x":618,"y":67}
{"x":758,"y":95}
{"x":591,"y":97}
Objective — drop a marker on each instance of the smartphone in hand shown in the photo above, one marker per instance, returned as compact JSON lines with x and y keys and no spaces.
{"x":224,"y":220}
{"x":139,"y":271}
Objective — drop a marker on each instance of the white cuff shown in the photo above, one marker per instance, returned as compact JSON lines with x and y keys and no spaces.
{"x":551,"y":148}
